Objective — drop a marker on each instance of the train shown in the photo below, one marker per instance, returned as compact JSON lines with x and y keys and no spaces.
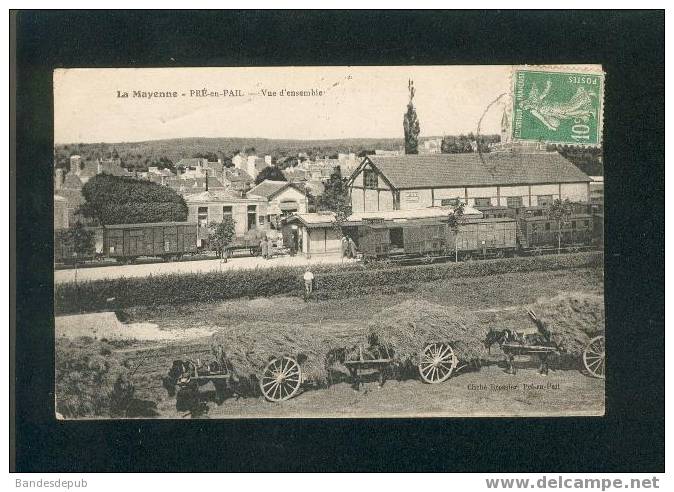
{"x":170,"y":241}
{"x":500,"y":232}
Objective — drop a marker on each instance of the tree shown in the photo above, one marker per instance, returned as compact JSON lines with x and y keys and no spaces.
{"x":77,"y":240}
{"x":122,"y":200}
{"x":454,"y":221}
{"x":335,"y":198}
{"x":560,"y":211}
{"x":271,"y":173}
{"x":411,"y":125}
{"x":221,"y":234}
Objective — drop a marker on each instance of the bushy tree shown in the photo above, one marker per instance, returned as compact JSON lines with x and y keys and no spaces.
{"x":78,"y":240}
{"x":335,"y":197}
{"x":220,"y":234}
{"x":272,"y":173}
{"x":122,"y":200}
{"x":411,"y":125}
{"x":560,"y":211}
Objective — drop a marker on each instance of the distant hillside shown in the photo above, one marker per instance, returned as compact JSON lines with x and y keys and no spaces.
{"x":141,"y":154}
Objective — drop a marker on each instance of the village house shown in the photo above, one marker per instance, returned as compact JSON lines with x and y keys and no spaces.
{"x":237,"y":179}
{"x":488,"y":180}
{"x":251,"y":164}
{"x":283,"y":198}
{"x":190,"y":185}
{"x":212,"y":206}
{"x":199,"y":167}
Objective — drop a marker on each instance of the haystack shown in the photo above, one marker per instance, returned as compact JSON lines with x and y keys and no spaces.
{"x":250,"y":347}
{"x":86,"y":372}
{"x":409,"y":326}
{"x":573,"y":319}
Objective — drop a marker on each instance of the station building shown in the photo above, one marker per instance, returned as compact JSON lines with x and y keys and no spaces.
{"x":383,"y":183}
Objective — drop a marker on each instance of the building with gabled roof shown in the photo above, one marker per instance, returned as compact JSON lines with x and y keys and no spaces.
{"x":283,"y":197}
{"x":382,"y":183}
{"x":205,"y":207}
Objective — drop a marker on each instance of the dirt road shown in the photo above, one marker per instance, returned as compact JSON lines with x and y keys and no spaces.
{"x":489,"y":392}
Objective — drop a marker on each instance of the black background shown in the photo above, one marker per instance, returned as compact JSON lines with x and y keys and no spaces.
{"x":630,"y":45}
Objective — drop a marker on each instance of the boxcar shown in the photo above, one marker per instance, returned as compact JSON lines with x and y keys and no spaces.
{"x":540,"y":232}
{"x":168,"y":240}
{"x":486,"y":237}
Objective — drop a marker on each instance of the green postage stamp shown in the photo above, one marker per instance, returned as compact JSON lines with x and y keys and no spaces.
{"x":558,"y":107}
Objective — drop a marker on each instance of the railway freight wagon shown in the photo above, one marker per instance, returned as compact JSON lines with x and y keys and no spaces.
{"x":539,"y":233}
{"x":167,"y":240}
{"x":485,"y":237}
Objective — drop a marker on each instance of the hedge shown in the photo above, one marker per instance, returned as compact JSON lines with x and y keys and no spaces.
{"x":176,"y":289}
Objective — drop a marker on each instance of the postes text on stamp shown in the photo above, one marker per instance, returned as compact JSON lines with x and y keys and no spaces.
{"x":558,"y":107}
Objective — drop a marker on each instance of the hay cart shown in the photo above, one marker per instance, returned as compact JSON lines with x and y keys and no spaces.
{"x":594,"y":357}
{"x":279,"y":380}
{"x":514,"y":344}
{"x":374,"y":358}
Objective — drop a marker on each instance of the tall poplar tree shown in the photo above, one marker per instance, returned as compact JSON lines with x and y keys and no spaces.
{"x":411,"y":124}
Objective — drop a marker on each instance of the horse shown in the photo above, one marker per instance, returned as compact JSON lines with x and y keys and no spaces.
{"x":514,"y":343}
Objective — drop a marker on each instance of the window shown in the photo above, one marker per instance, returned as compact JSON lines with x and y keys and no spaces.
{"x":586,"y":223}
{"x":514,"y":201}
{"x":370,"y":179}
{"x":227,"y":211}
{"x":547,"y":226}
{"x":202,"y":216}
{"x":545,"y":200}
{"x":483,"y":202}
{"x":573,"y":224}
{"x":252,"y":213}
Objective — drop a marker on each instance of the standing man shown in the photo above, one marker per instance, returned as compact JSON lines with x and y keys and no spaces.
{"x":308,"y":282}
{"x":344,"y":246}
{"x":263,"y":247}
{"x":352,"y":248}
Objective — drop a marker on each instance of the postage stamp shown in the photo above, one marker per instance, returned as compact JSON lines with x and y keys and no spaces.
{"x":551,"y":106}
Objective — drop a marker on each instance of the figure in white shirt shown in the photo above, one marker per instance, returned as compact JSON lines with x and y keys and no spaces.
{"x":308,"y":282}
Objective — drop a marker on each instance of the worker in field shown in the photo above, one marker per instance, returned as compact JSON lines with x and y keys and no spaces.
{"x":308,"y":282}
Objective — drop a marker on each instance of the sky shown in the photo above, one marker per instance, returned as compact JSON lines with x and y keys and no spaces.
{"x":357,"y":102}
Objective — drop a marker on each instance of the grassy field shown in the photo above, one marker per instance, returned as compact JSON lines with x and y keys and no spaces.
{"x":499,"y":299}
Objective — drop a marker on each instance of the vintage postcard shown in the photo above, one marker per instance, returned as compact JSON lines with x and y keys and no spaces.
{"x":340,"y":242}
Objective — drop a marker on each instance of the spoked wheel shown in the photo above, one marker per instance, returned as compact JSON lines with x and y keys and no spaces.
{"x":438,"y":362}
{"x":594,"y":357}
{"x":281,"y":379}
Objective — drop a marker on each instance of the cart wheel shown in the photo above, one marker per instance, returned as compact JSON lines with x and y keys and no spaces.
{"x":438,"y":362}
{"x":281,"y":379}
{"x":594,"y":357}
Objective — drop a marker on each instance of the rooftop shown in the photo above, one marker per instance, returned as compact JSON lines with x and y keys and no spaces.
{"x":472,"y":169}
{"x":218,"y":196}
{"x":268,"y":188}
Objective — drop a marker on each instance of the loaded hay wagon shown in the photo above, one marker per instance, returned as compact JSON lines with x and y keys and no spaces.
{"x":413,"y":339}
